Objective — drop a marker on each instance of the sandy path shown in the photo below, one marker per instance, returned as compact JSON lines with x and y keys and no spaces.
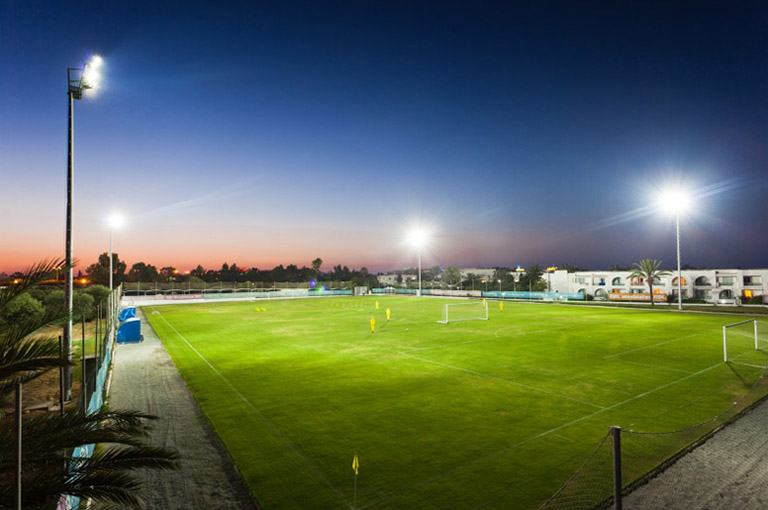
{"x":144,"y":378}
{"x":729,"y":471}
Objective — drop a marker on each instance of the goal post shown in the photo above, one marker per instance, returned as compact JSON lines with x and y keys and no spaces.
{"x":727,"y":327}
{"x":466,"y":311}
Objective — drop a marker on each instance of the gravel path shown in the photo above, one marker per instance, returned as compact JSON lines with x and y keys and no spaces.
{"x":144,"y":378}
{"x":729,"y":471}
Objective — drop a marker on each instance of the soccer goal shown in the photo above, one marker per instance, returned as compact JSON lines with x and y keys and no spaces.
{"x":740,"y":340}
{"x":466,"y":311}
{"x":361,"y":291}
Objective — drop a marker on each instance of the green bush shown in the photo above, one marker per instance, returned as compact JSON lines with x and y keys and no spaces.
{"x":23,"y":308}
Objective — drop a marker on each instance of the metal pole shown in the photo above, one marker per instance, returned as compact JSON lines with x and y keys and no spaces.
{"x":17,"y":471}
{"x":68,"y":288}
{"x":725,"y":345}
{"x":419,"y":270}
{"x":62,"y":388}
{"x":85,"y":381}
{"x":756,"y":346}
{"x":679,"y":273}
{"x":110,"y":259}
{"x":616,"y":433}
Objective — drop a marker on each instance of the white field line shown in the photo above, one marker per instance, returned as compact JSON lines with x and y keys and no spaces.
{"x":655,"y":367}
{"x":495,"y":334}
{"x":259,"y":414}
{"x":649,"y":346}
{"x":538,"y":436}
{"x":508,"y":381}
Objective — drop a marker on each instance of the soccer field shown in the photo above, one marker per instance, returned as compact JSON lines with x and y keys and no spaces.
{"x":476,"y":414}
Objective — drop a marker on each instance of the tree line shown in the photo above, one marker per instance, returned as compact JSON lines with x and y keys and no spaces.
{"x":98,"y":273}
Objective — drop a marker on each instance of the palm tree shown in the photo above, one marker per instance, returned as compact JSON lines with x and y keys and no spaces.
{"x":49,"y":467}
{"x":649,"y":269}
{"x":316,"y":264}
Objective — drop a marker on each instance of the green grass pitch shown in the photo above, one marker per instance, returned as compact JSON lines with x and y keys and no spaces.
{"x":476,"y":414}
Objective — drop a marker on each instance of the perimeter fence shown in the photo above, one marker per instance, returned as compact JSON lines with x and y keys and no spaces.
{"x":625,"y":460}
{"x":95,"y":371}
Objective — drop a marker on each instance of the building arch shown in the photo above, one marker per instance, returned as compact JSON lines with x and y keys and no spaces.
{"x":702,"y":281}
{"x":726,"y":294}
{"x":601,"y":294}
{"x":617,"y":281}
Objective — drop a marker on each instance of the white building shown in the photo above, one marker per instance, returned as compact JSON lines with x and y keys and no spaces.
{"x":711,"y":285}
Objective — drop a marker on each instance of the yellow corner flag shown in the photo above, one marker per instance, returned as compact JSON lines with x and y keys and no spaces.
{"x":484,"y":303}
{"x":373,"y":324}
{"x":501,"y":306}
{"x":355,"y":463}
{"x":377,"y":305}
{"x":387,"y":313}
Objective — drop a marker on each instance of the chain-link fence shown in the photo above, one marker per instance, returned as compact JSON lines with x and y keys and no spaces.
{"x":627,"y":459}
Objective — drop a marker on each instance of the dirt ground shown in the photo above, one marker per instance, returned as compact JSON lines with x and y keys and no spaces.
{"x":144,"y":378}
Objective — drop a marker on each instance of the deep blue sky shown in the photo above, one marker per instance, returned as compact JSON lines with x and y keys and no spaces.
{"x":266,"y":133}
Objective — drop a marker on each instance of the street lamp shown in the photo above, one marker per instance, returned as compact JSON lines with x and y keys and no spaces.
{"x":676,"y":201}
{"x":499,"y":284}
{"x":114,"y":222}
{"x":78,"y":80}
{"x":418,"y":238}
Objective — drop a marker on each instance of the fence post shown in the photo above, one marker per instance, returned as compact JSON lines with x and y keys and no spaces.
{"x":17,"y":471}
{"x":756,"y":345}
{"x":62,"y":387}
{"x":616,"y":433}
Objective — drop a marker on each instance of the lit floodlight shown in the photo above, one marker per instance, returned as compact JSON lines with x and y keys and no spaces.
{"x":418,"y":237}
{"x":115,"y":221}
{"x":91,"y":73}
{"x":674,"y":201}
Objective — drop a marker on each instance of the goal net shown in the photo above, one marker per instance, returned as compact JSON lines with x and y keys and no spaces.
{"x":742,"y":344}
{"x":361,"y":291}
{"x":467,"y":311}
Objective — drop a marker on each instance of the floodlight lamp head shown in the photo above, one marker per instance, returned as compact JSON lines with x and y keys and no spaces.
{"x":418,"y":237}
{"x":674,"y":201}
{"x":115,"y":221}
{"x":91,"y":76}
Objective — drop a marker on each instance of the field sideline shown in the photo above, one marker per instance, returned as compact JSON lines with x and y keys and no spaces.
{"x":491,"y":414}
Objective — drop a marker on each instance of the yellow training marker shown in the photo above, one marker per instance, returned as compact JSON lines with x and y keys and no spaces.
{"x":501,"y":306}
{"x":387,"y":313}
{"x":484,"y":303}
{"x":377,"y":305}
{"x":373,"y":324}
{"x":263,"y":309}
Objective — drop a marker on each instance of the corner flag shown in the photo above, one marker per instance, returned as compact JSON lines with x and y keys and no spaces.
{"x":355,"y":463}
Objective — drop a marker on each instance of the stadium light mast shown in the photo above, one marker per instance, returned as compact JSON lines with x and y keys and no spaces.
{"x":78,"y":80}
{"x":114,"y":221}
{"x":418,"y":238}
{"x":676,"y":201}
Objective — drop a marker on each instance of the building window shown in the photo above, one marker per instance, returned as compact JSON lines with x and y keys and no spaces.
{"x":753,"y":280}
{"x":748,"y":293}
{"x":616,"y":281}
{"x":701,"y":281}
{"x":637,"y":281}
{"x":725,"y":280}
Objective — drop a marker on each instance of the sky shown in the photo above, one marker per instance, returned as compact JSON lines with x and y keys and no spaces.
{"x":265,"y":133}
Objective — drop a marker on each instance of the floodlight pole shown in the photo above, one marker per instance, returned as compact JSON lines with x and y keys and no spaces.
{"x":74,"y":90}
{"x":419,"y":292}
{"x":111,"y":228}
{"x":77,"y":81}
{"x":679,"y":272}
